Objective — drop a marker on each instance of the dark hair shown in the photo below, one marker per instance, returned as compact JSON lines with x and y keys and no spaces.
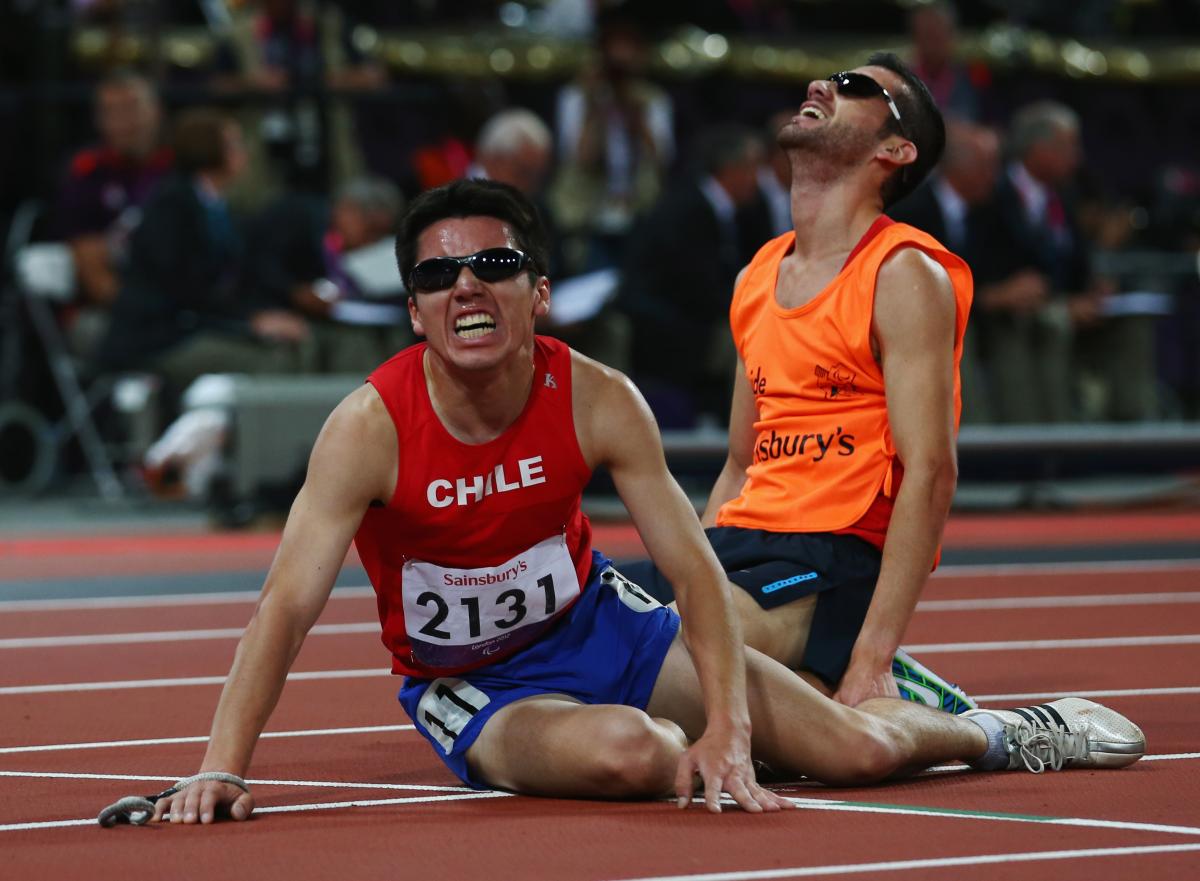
{"x":473,"y":197}
{"x":198,"y":140}
{"x":923,"y":125}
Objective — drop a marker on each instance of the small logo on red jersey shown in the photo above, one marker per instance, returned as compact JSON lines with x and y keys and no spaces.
{"x":550,"y":383}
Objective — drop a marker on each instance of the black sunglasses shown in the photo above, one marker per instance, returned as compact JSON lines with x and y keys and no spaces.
{"x":490,"y":265}
{"x":859,"y":85}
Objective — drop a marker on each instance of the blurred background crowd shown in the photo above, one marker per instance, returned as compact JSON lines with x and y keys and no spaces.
{"x":200,"y":186}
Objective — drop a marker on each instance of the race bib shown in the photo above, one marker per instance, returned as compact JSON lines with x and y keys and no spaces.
{"x":456,"y":617}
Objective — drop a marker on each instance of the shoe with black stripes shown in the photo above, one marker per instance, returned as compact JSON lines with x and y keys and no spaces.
{"x":1069,"y":733}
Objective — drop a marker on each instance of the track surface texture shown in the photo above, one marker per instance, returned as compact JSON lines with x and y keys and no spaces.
{"x":113,"y":649}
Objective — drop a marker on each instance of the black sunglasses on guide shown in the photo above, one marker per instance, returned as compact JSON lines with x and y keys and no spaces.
{"x":859,"y":85}
{"x":490,"y":265}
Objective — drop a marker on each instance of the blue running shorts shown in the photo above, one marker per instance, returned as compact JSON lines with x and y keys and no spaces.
{"x":608,"y":649}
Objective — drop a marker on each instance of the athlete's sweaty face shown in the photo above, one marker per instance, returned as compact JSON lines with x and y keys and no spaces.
{"x":473,"y":324}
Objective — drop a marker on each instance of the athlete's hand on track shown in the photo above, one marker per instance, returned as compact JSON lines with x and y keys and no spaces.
{"x":723,"y":764}
{"x":861,"y":683}
{"x":203,"y":801}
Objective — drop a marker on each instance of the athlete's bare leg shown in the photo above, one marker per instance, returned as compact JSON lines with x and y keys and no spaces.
{"x":552,"y":745}
{"x":796,"y":730}
{"x":780,"y":633}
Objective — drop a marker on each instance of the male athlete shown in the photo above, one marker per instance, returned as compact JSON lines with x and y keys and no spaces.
{"x":530,"y":664}
{"x":829,"y":510}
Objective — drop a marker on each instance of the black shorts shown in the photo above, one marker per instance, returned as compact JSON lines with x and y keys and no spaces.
{"x":779,"y":567}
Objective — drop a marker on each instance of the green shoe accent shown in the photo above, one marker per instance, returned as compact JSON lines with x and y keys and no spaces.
{"x":919,"y":684}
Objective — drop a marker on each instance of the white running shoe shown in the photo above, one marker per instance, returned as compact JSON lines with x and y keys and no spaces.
{"x":1069,"y":733}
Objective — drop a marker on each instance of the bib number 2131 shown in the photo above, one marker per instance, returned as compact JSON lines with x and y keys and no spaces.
{"x":457,"y":616}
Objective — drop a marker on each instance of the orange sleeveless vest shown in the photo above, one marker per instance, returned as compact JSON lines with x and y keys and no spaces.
{"x":823,"y":451}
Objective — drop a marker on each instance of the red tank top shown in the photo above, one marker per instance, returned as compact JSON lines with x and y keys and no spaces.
{"x":481,"y":546}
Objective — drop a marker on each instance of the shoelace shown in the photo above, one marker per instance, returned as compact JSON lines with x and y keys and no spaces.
{"x":1039,"y":747}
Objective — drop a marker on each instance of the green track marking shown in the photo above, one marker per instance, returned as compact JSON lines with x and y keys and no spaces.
{"x":820,"y":804}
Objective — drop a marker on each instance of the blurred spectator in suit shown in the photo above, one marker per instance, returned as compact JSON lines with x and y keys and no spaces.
{"x":677,"y":278}
{"x":954,"y":207}
{"x":1057,"y":324}
{"x":290,"y":51}
{"x":933,"y":30}
{"x":516,"y":147}
{"x":1028,"y":330}
{"x":100,"y":201}
{"x":1116,"y":355}
{"x":775,"y":175}
{"x":336,"y":267}
{"x":180,"y":312}
{"x":615,"y":141}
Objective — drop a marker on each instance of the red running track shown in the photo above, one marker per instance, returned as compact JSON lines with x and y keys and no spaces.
{"x":1143,"y":821}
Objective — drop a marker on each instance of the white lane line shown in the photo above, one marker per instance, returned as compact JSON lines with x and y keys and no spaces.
{"x":328,"y":784}
{"x":1034,"y":644}
{"x":61,"y":687}
{"x":182,"y":682}
{"x":1171,"y":757}
{"x":933,"y":863}
{"x":1089,"y":567}
{"x":1161,"y":757}
{"x":1127,"y":599}
{"x":169,"y":636}
{"x":1110,"y":692}
{"x":176,"y":599}
{"x":46,"y":824}
{"x":820,"y":804}
{"x":803,"y":803}
{"x":1059,"y":602}
{"x":201,"y":738}
{"x":961,"y":605}
{"x":359,"y":592}
{"x":155,"y":636}
{"x":374,"y":802}
{"x":288,"y":809}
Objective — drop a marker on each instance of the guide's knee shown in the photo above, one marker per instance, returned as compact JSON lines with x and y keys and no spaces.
{"x":636,"y":756}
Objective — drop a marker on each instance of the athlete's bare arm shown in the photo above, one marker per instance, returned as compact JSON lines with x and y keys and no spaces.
{"x":353,"y":462}
{"x":914,"y":328}
{"x":743,"y":413}
{"x":617,"y":430}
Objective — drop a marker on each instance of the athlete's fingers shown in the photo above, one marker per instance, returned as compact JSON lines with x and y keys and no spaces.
{"x":770,"y":801}
{"x":160,"y":808}
{"x":208,"y":804}
{"x":712,"y":792}
{"x":191,"y":804}
{"x":243,"y":807}
{"x":684,"y":780}
{"x":744,"y":795}
{"x":177,"y":807}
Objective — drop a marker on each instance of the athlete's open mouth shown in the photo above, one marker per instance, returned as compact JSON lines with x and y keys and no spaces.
{"x":474,"y":326}
{"x":811,"y":111}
